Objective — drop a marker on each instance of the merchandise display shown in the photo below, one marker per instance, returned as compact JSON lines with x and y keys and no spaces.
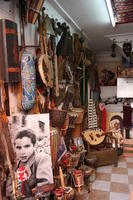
{"x":56,"y":128}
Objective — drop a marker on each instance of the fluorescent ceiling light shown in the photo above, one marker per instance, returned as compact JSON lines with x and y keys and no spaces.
{"x":111,"y":13}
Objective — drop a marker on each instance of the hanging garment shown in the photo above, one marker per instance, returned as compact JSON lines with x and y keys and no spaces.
{"x":103,"y":122}
{"x":127,"y":116}
{"x":127,"y":119}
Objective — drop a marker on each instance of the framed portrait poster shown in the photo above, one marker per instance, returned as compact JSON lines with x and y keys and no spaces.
{"x":30,"y":136}
{"x":115,"y":125}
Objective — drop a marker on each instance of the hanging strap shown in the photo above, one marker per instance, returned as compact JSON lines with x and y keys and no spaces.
{"x":22,"y":17}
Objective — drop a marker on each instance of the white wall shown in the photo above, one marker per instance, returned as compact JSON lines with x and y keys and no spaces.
{"x":10,"y":10}
{"x":54,"y":14}
{"x":7,"y":10}
{"x":105,"y":60}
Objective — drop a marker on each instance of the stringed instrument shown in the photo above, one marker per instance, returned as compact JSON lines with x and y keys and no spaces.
{"x":44,"y":65}
{"x":94,"y":137}
{"x":55,"y":64}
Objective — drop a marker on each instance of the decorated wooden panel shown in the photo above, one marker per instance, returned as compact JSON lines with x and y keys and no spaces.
{"x":123,"y":10}
{"x":9,"y":61}
{"x":28,"y":81}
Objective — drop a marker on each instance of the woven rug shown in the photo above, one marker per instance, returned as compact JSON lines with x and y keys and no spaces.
{"x":128,"y":147}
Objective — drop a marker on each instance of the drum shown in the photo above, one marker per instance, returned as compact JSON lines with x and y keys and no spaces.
{"x":69,"y":193}
{"x":72,"y":118}
{"x":77,"y":131}
{"x":78,"y":178}
{"x":54,"y":141}
{"x":58,"y":194}
{"x":87,"y":172}
{"x":80,"y":113}
{"x":59,"y":119}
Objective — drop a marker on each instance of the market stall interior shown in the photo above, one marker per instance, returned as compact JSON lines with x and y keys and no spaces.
{"x":66,"y":98}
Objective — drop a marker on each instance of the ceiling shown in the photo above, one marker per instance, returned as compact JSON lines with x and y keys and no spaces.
{"x":92,"y":19}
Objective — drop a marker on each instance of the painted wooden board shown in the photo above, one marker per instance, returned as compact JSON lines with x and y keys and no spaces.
{"x":28,"y":81}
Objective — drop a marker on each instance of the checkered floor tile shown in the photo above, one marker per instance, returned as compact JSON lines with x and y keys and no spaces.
{"x":113,"y":183}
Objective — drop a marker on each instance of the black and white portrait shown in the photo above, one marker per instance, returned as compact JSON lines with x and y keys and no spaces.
{"x":30,"y":136}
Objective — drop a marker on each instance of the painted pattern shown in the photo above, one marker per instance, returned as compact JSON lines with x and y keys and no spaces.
{"x":28,"y":81}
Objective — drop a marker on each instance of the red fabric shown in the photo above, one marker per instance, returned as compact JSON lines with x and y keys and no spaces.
{"x":103,"y":126}
{"x":22,"y":176}
{"x":103,"y":121}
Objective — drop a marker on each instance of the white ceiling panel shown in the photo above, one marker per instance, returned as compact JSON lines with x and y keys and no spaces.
{"x":92,"y":18}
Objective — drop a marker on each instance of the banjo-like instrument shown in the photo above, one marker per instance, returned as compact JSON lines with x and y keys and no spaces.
{"x":94,"y":137}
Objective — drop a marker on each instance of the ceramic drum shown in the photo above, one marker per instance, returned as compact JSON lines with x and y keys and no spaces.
{"x":54,"y":140}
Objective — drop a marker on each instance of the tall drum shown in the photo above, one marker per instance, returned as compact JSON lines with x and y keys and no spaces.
{"x":80,"y":114}
{"x":77,"y":130}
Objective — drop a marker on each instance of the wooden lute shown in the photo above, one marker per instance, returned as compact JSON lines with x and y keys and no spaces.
{"x":94,"y":137}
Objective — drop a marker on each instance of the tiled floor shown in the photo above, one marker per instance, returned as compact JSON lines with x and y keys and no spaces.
{"x":113,"y":183}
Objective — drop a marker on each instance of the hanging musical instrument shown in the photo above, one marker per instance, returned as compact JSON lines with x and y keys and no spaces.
{"x":44,"y":65}
{"x":33,"y":8}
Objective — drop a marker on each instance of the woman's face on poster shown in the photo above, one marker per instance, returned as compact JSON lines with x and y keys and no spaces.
{"x":24,"y":148}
